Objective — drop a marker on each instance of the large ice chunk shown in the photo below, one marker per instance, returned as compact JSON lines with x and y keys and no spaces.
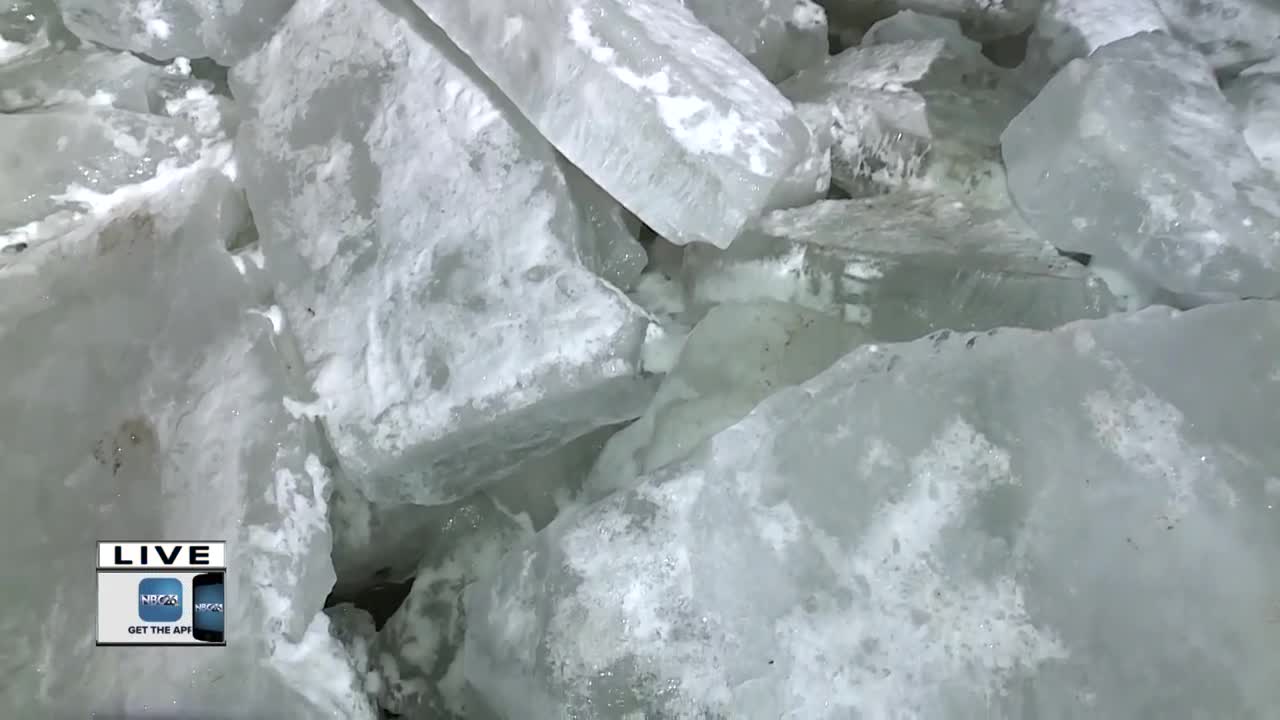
{"x":446,"y":315}
{"x":739,"y":354}
{"x":1012,"y":524}
{"x":660,"y":111}
{"x":778,"y":36}
{"x":142,"y":399}
{"x":903,"y":265}
{"x":923,"y":114}
{"x":1134,"y":156}
{"x":224,"y":30}
{"x":1231,"y":33}
{"x":1255,"y":94}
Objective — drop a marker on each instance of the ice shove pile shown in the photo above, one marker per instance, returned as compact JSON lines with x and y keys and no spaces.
{"x":933,"y":529}
{"x":646,"y":359}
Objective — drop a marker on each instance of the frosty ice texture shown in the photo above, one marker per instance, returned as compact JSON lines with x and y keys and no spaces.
{"x":665,"y":115}
{"x":1134,"y":156}
{"x":921,"y":114}
{"x":447,"y":320}
{"x":778,"y":36}
{"x":225,"y":30}
{"x":902,"y":265}
{"x":991,"y":525}
{"x":143,"y":398}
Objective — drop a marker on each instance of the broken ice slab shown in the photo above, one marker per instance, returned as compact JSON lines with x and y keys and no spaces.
{"x":983,"y":20}
{"x":779,"y":37}
{"x":418,"y":652}
{"x":164,"y":29}
{"x":739,"y":354}
{"x":1135,"y":157}
{"x":902,"y":265}
{"x":1230,"y":33}
{"x":446,"y":313}
{"x":142,"y":398}
{"x":1070,"y":29}
{"x":1255,"y":94}
{"x":918,"y":115}
{"x":660,"y":111}
{"x":1010,"y":524}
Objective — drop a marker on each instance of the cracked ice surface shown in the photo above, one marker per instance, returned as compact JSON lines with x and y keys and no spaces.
{"x":665,"y":115}
{"x":962,"y":526}
{"x":444,"y":310}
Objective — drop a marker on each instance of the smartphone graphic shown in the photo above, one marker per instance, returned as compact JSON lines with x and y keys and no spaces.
{"x":207,"y":609}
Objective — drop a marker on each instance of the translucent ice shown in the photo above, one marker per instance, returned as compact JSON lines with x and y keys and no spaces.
{"x":778,"y":36}
{"x":739,"y":354}
{"x":903,"y":265}
{"x":1255,"y":94}
{"x":1134,"y":156}
{"x":447,"y":312}
{"x":661,"y":112}
{"x":1231,"y":33}
{"x":923,"y":114}
{"x":1013,"y":524}
{"x":142,"y":399}
{"x":225,"y":30}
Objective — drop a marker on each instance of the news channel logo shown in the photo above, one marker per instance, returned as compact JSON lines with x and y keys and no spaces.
{"x":160,"y":599}
{"x":162,"y":593}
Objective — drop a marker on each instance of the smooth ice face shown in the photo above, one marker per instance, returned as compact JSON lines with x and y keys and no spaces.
{"x":902,"y":266}
{"x":1012,"y":524}
{"x":778,"y":36}
{"x":1135,"y":157}
{"x":1070,"y":29}
{"x":225,"y":30}
{"x":739,"y":354}
{"x":919,"y":115}
{"x":446,"y":316}
{"x":143,"y":399}
{"x":1230,"y":33}
{"x":664,"y":114}
{"x":1255,"y":94}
